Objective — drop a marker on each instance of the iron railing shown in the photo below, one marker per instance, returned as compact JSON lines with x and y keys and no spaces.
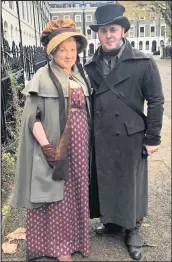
{"x":23,"y":63}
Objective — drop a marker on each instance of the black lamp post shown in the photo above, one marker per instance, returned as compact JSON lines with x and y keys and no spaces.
{"x":83,"y":28}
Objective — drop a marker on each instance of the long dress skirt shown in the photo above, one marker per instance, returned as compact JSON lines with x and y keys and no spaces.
{"x":61,"y":228}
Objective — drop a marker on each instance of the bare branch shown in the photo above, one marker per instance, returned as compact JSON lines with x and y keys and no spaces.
{"x":159,"y":7}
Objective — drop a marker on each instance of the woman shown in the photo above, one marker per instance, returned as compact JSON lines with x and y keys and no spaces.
{"x":52,"y":166}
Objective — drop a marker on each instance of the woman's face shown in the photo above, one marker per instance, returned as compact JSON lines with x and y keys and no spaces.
{"x":66,"y":54}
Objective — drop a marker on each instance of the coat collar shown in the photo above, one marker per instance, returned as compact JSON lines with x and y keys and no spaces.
{"x":42,"y":85}
{"x":94,"y":67}
{"x":127,"y":53}
{"x":64,"y":76}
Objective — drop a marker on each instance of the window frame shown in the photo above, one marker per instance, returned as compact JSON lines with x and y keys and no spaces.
{"x":164,"y":30}
{"x":56,"y":17}
{"x":90,"y":35}
{"x":147,"y":45}
{"x":87,"y":18}
{"x":66,"y":16}
{"x":141,"y":46}
{"x":141,"y":17}
{"x":140,"y":32}
{"x":79,"y":17}
{"x":154,"y":31}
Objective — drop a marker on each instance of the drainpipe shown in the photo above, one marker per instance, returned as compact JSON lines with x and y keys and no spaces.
{"x":34,"y":23}
{"x":83,"y":25}
{"x":39,"y":23}
{"x":20,"y":31}
{"x":2,"y":32}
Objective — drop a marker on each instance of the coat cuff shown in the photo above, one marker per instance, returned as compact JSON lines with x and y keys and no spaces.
{"x":152,"y":140}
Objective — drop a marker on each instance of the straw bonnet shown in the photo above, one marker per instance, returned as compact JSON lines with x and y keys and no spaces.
{"x":56,"y":31}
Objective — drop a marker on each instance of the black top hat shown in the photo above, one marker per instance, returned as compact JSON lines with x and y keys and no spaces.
{"x":110,"y":14}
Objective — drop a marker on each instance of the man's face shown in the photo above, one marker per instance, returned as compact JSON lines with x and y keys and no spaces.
{"x":110,"y":36}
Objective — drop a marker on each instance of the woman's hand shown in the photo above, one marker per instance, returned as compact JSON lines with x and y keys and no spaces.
{"x":49,"y":152}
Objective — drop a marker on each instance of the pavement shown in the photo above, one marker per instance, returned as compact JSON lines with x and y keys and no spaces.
{"x":156,"y":228}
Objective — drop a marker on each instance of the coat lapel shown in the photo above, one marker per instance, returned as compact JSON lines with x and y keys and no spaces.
{"x":118,"y":74}
{"x":115,"y":77}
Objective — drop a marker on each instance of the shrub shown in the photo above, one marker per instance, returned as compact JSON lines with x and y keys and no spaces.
{"x":9,"y":148}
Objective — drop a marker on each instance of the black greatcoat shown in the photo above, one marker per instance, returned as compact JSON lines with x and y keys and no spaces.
{"x":119,"y":179}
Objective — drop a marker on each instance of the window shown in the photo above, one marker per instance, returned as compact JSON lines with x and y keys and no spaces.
{"x":89,"y":33}
{"x":142,"y":31}
{"x":66,"y":16}
{"x":147,"y":45}
{"x":141,"y":17}
{"x":140,"y":45}
{"x":11,"y":5}
{"x":133,"y":44}
{"x":77,"y":5}
{"x":131,"y":31}
{"x":77,"y":18}
{"x":163,"y":30}
{"x":153,"y":46}
{"x":88,"y":18}
{"x":152,"y":30}
{"x":55,"y":17}
{"x":6,"y":30}
{"x":91,"y":50}
{"x":52,"y":6}
{"x":161,"y":43}
{"x":66,"y":5}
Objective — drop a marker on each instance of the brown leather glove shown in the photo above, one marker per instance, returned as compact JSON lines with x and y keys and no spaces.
{"x":49,"y":152}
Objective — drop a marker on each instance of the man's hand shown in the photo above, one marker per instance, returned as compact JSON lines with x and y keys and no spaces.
{"x":151,"y":149}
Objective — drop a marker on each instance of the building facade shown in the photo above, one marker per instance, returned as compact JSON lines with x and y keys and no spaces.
{"x":33,"y":16}
{"x":82,"y":12}
{"x":147,"y":32}
{"x":148,"y":29}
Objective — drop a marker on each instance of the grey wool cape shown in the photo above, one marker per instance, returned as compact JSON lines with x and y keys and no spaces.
{"x":34,"y":185}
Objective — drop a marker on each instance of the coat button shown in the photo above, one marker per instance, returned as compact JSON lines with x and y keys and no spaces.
{"x":118,"y":133}
{"x":116,"y":114}
{"x":97,"y":112}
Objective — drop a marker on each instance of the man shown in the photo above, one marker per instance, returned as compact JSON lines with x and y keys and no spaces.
{"x":122,"y":79}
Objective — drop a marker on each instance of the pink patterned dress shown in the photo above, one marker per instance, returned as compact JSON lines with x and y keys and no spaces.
{"x":61,"y":228}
